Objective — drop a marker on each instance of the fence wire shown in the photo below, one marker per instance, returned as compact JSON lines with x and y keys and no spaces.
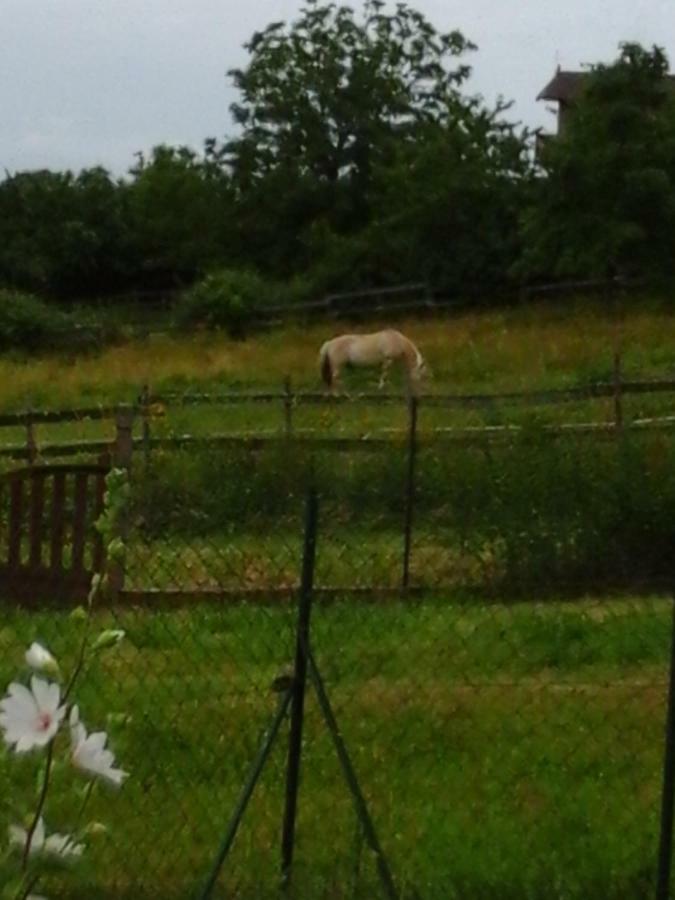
{"x":505,"y":712}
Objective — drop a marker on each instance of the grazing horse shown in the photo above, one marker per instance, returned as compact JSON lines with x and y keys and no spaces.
{"x":380,"y":348}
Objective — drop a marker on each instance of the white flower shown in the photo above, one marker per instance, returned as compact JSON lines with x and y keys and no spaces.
{"x":55,"y":845}
{"x":89,"y":753}
{"x":40,"y":659}
{"x":31,"y":718}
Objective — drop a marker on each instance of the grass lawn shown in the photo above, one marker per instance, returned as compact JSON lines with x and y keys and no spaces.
{"x":505,"y":751}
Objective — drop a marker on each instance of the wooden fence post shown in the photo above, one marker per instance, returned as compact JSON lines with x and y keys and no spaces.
{"x":288,"y":407}
{"x":31,"y":444}
{"x":618,"y":400}
{"x":124,"y":443}
{"x":145,"y":414}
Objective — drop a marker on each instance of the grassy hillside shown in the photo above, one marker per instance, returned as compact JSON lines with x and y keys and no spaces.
{"x":538,"y":345}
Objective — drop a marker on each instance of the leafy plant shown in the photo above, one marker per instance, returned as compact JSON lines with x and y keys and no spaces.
{"x":226,"y":299}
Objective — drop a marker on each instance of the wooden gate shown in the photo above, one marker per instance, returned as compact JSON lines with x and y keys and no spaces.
{"x":49,"y":547}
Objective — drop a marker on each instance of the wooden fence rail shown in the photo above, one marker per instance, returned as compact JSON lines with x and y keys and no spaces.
{"x":554,"y":396}
{"x":147,"y":405}
{"x":594,"y":390}
{"x":316,"y":439}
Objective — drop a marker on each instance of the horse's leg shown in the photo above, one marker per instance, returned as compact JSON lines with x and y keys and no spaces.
{"x":386,"y":365}
{"x":336,"y":386}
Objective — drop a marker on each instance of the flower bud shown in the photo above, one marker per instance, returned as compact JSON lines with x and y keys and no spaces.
{"x":108,"y":638}
{"x":40,"y":659}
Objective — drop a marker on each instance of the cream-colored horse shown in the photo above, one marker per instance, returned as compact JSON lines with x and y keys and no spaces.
{"x":382,"y":348}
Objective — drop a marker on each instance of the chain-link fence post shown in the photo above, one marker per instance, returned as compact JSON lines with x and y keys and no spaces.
{"x":299,"y":685}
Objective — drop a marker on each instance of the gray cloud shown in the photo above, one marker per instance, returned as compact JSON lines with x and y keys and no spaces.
{"x":85,"y":82}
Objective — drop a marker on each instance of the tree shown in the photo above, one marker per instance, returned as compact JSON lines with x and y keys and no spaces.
{"x":179,"y":207}
{"x":63,"y":234}
{"x":447,"y":208}
{"x":605,"y":202}
{"x":326,"y":101}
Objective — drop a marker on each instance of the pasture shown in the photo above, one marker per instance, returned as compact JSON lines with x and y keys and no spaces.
{"x":506,"y":719}
{"x":550,"y":345}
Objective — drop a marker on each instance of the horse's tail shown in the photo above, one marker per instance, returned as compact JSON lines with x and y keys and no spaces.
{"x":326,"y":368}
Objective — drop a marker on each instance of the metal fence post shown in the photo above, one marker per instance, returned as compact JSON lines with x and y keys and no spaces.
{"x":367,"y":825}
{"x":299,"y":685}
{"x":409,"y":487}
{"x":246,"y":794}
{"x":668,"y":787}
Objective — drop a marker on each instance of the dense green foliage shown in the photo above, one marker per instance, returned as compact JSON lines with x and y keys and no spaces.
{"x":532,"y":515}
{"x":358,"y":159}
{"x":607,"y":203}
{"x":227,"y":299}
{"x":28,"y":323}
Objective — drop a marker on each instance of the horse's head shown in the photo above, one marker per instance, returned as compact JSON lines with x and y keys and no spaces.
{"x":421,"y":372}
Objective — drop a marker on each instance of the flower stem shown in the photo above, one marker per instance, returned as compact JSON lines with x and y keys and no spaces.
{"x":27,"y":886}
{"x":40,"y":806}
{"x":81,"y":657}
{"x":85,"y":801}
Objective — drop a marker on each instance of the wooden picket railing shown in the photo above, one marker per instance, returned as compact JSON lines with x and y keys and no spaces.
{"x":51,"y":548}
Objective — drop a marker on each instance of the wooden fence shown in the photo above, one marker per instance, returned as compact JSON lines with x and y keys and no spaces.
{"x":147,"y":405}
{"x":414,"y":298}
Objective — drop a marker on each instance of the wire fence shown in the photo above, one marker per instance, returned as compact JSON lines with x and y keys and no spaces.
{"x":491,"y":629}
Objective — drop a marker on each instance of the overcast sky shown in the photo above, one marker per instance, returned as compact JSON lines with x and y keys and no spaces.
{"x":87,"y":82}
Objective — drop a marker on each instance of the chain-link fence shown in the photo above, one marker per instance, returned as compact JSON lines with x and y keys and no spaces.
{"x":504,"y":711}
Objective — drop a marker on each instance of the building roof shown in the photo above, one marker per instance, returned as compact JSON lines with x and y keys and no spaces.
{"x":565,"y":86}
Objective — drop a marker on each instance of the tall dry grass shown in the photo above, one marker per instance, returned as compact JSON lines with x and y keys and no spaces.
{"x":545,"y":345}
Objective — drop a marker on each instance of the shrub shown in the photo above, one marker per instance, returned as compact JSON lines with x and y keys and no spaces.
{"x":27,"y":323}
{"x":227,"y":299}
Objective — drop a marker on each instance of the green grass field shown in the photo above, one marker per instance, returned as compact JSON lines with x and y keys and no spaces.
{"x":508,"y":750}
{"x":505,"y":751}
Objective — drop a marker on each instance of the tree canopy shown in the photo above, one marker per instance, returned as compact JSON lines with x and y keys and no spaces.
{"x":329,"y":93}
{"x":356,"y":140}
{"x":358,"y":159}
{"x":606,"y":199}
